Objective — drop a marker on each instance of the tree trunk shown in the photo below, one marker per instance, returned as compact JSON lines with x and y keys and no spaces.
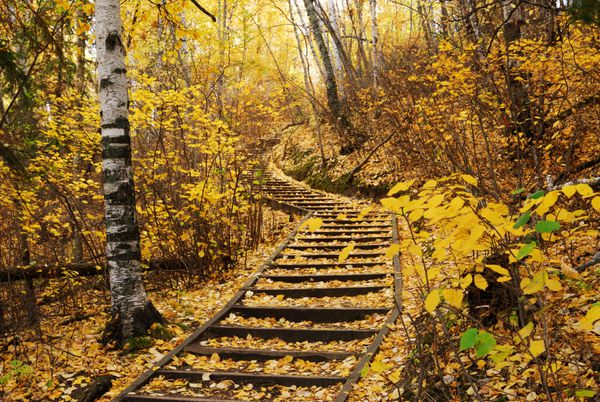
{"x":333,"y":101}
{"x":309,"y":39}
{"x":336,"y":50}
{"x":374,"y":41}
{"x":308,"y":84}
{"x":514,"y":18}
{"x":132,"y":312}
{"x":359,"y":32}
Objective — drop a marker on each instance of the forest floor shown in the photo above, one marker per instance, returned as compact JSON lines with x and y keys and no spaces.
{"x":66,"y":355}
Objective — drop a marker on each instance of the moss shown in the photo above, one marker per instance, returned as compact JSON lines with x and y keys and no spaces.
{"x":137,"y":343}
{"x":302,"y":170}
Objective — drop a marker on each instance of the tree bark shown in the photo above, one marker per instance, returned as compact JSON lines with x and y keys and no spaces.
{"x":514,"y":19}
{"x":132,"y":312}
{"x":308,"y":84}
{"x":333,"y":101}
{"x":374,"y":41}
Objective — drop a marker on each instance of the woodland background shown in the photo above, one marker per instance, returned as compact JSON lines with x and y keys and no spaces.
{"x":503,"y":92}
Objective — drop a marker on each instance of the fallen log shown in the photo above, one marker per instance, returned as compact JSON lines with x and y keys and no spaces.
{"x":46,"y":271}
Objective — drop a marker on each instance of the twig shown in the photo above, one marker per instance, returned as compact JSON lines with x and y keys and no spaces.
{"x":205,"y":11}
{"x":595,"y":260}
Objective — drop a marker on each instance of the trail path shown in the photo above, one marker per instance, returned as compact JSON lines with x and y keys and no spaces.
{"x":303,"y":327}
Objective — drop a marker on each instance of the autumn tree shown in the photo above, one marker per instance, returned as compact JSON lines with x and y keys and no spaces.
{"x":133,"y":313}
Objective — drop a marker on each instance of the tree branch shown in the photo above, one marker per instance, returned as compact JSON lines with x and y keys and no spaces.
{"x":204,"y":10}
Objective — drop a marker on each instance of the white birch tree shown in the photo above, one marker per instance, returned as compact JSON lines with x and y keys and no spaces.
{"x":132,"y":312}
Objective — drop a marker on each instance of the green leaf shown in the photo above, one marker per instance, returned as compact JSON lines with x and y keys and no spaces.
{"x":518,"y":191}
{"x":537,"y":194}
{"x":547,"y":226}
{"x":467,"y":340}
{"x":523,"y":219}
{"x":585,"y":393}
{"x":485,"y":344}
{"x":526,"y":250}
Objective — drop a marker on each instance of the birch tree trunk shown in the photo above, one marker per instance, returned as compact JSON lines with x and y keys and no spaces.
{"x":132,"y":312}
{"x":308,"y":83}
{"x":336,"y":51}
{"x":374,"y":41}
{"x":333,"y":101}
{"x":306,"y":32}
{"x":359,"y":31}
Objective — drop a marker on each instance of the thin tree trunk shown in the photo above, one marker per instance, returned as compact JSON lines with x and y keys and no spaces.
{"x":336,"y":50}
{"x":308,"y":85}
{"x":374,"y":41}
{"x":517,"y":92}
{"x":133,"y":313}
{"x":77,"y":162}
{"x":309,"y":39}
{"x":333,"y":101}
{"x":359,"y":31}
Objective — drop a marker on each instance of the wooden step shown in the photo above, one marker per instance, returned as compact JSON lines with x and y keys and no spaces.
{"x":359,"y":246}
{"x":326,"y":265}
{"x":344,"y":238}
{"x":332,"y":255}
{"x":258,"y":354}
{"x":320,"y":292}
{"x":174,"y":398}
{"x":289,"y":334}
{"x":323,"y":277}
{"x":262,"y":379}
{"x":314,"y":314}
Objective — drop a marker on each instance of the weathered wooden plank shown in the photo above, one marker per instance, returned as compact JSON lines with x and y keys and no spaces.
{"x":314,"y":314}
{"x":290,"y":334}
{"x":323,"y":277}
{"x":258,"y":354}
{"x":320,"y":292}
{"x":255,"y":378}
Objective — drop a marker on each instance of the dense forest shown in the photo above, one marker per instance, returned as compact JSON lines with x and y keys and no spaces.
{"x":147,"y":147}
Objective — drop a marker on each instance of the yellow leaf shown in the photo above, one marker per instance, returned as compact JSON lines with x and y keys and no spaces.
{"x":379,"y":367}
{"x":569,"y":271}
{"x":416,"y":250}
{"x":569,"y":191}
{"x":525,"y":332}
{"x":396,"y":376}
{"x":415,"y":215}
{"x":433,"y":273}
{"x":432,"y":301}
{"x":469,"y":179}
{"x":429,"y":184}
{"x":596,"y":203}
{"x":593,"y":314}
{"x":537,"y":348}
{"x":466,"y":281}
{"x":363,"y":212}
{"x":533,"y":285}
{"x":402,"y":186}
{"x":498,"y":269}
{"x":395,"y":204}
{"x":341,"y":216}
{"x":480,"y":282}
{"x":553,"y":284}
{"x":286,"y":359}
{"x":503,"y":279}
{"x":313,"y":224}
{"x":392,"y":250}
{"x":453,"y":297}
{"x":548,"y":201}
{"x":345,"y":252}
{"x":584,"y":189}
